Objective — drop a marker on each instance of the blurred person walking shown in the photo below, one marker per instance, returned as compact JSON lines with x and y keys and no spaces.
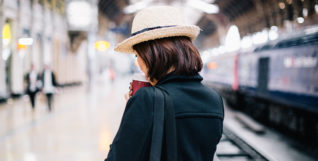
{"x":177,"y":118}
{"x":33,"y":85}
{"x":49,"y":84}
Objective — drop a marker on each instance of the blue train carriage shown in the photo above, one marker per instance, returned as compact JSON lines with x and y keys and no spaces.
{"x":294,"y":76}
{"x":247,"y":75}
{"x":278,"y":84}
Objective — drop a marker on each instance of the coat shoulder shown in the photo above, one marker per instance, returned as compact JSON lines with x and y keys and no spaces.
{"x":213,"y":93}
{"x":144,"y":93}
{"x":216,"y":97}
{"x":140,"y":104}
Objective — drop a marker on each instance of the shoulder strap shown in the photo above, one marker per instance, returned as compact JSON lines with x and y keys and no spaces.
{"x":164,"y":118}
{"x":158,"y":124}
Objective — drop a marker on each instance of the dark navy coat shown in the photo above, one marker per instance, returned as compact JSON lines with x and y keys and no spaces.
{"x":199,"y":121}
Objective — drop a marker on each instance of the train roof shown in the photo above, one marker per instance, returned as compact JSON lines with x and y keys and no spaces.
{"x":303,"y":37}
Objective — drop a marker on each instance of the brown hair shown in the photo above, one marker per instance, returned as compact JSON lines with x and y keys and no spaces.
{"x":161,"y":55}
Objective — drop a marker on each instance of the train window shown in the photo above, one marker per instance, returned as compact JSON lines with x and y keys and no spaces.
{"x":310,"y":39}
{"x":289,"y":43}
{"x":257,"y":49}
{"x":263,"y":48}
{"x":266,"y":47}
{"x":304,"y":40}
{"x":282,"y":44}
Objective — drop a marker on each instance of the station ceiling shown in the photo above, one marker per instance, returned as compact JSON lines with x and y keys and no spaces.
{"x":249,"y":15}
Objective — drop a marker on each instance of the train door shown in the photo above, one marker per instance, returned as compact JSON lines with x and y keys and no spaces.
{"x":263,"y":74}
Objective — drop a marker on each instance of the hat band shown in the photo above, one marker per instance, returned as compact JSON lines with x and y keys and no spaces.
{"x":150,"y":28}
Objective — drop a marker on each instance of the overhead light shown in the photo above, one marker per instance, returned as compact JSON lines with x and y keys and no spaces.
{"x":275,"y":28}
{"x":6,"y":34}
{"x":300,"y":19}
{"x":281,"y":5}
{"x":208,"y":1}
{"x":305,"y":12}
{"x":289,"y":1}
{"x":316,"y":8}
{"x":232,"y":39}
{"x":25,"y":41}
{"x":273,"y":33}
{"x":260,"y":37}
{"x":20,"y":46}
{"x":79,"y":14}
{"x":246,"y":42}
{"x":203,"y":6}
{"x":136,"y":7}
{"x":102,"y":45}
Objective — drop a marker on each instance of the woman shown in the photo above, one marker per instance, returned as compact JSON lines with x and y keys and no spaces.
{"x":162,"y":43}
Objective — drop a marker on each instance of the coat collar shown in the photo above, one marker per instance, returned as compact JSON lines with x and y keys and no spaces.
{"x":172,"y":77}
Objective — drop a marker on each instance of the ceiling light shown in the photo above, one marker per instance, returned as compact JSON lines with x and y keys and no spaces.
{"x":281,"y":5}
{"x":25,"y":41}
{"x":300,"y":20}
{"x":305,"y":12}
{"x":289,"y":1}
{"x":273,"y":33}
{"x":136,"y":7}
{"x":208,"y":1}
{"x":79,"y":14}
{"x":203,"y":6}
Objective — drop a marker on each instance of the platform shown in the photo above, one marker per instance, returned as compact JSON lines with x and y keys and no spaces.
{"x":84,"y":121}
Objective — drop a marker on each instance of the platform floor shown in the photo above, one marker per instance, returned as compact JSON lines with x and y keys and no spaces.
{"x":80,"y":127}
{"x":82,"y":124}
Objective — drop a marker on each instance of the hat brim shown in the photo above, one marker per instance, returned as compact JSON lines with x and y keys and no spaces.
{"x":126,"y":46}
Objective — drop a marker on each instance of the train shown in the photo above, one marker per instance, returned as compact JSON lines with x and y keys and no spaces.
{"x":276,"y":83}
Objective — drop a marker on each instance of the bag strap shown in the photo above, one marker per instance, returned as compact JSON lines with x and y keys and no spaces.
{"x":170,"y":129}
{"x":157,"y":129}
{"x":164,"y":118}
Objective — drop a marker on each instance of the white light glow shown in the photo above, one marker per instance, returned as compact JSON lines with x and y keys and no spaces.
{"x":5,"y":54}
{"x":273,"y":33}
{"x":281,"y":5}
{"x":30,"y":157}
{"x":5,"y":42}
{"x":208,"y":1}
{"x":246,"y":42}
{"x":136,"y":7}
{"x":275,"y":28}
{"x":260,"y":37}
{"x":316,"y":8}
{"x":205,"y":56}
{"x":300,"y":20}
{"x":311,"y":30}
{"x":203,"y":6}
{"x":25,"y":41}
{"x":79,"y":14}
{"x":232,"y":39}
{"x":305,"y":12}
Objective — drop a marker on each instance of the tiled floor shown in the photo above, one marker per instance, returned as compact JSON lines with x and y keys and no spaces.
{"x":80,"y":127}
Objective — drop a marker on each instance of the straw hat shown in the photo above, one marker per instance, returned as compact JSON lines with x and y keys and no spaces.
{"x":154,"y":23}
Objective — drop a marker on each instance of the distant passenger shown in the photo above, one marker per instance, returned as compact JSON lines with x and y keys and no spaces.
{"x":33,"y":85}
{"x":177,"y":118}
{"x":49,"y":84}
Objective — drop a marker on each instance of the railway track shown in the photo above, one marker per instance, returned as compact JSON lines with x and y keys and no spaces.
{"x":233,"y":148}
